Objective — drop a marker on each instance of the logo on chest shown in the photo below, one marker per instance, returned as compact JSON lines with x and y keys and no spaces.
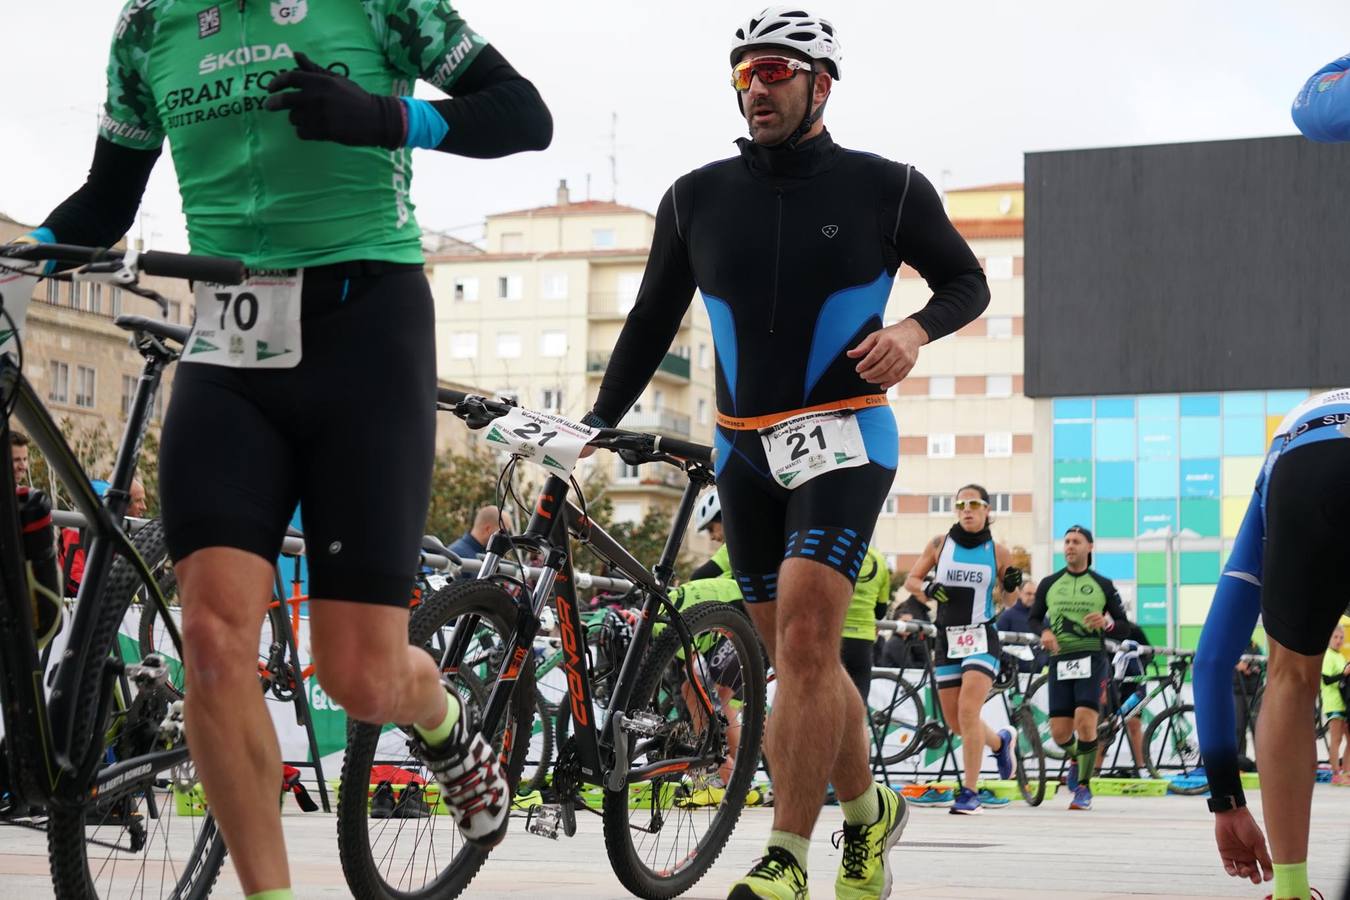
{"x":208,"y":22}
{"x":830,"y":230}
{"x":289,"y":12}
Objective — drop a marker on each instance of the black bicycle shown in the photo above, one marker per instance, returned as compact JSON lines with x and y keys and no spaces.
{"x":98,"y":757}
{"x":673,"y":718}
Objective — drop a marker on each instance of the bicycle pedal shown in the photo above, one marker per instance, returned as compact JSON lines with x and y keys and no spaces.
{"x":643,"y":723}
{"x":150,"y":671}
{"x":544,"y":821}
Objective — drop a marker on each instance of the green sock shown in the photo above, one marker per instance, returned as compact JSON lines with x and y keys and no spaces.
{"x":863,"y":809}
{"x":795,"y":844}
{"x":1087,"y":759}
{"x":1291,"y":880}
{"x":441,"y":733}
{"x":1070,"y":749}
{"x":274,"y":894}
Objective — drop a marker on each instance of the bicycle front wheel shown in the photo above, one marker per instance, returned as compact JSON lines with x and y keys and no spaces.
{"x":687,"y":778}
{"x":1172,"y":750}
{"x":1037,"y":702}
{"x":894,"y":724}
{"x":1030,"y":753}
{"x":415,"y":850}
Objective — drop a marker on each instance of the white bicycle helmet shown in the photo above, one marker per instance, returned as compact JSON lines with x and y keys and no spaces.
{"x":794,"y":28}
{"x":709,"y":510}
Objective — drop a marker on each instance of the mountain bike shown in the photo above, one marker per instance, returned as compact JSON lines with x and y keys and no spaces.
{"x":665,"y":732}
{"x":97,"y":755}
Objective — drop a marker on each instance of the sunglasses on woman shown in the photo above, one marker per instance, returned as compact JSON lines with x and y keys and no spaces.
{"x":770,"y":69}
{"x":971,"y":504}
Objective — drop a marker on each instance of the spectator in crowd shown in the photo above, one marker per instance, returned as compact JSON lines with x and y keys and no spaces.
{"x":1246,"y":682}
{"x":906,"y":651}
{"x":18,"y":454}
{"x":472,"y":544}
{"x":70,"y":553}
{"x":1016,"y":616}
{"x":1335,"y":671}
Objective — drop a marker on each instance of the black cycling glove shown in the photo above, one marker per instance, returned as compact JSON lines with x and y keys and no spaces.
{"x":326,"y":106}
{"x":1012,"y":580}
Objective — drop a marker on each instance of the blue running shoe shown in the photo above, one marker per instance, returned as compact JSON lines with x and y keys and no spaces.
{"x":1072,"y":777}
{"x":1004,"y":754}
{"x":932,"y":797}
{"x":989,"y":798}
{"x":1082,"y":798}
{"x":967,"y":803}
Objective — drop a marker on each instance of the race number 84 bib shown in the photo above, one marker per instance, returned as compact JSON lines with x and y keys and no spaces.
{"x":805,"y":446}
{"x":254,"y":325}
{"x":1073,"y":669}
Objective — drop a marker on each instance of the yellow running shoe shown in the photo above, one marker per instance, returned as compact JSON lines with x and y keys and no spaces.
{"x":865,"y":872}
{"x":777,"y":876}
{"x":705,"y":796}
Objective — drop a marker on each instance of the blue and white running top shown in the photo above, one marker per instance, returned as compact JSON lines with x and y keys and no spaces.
{"x":967,"y":574}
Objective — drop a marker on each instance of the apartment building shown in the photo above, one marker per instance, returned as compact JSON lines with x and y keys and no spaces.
{"x":535,"y":316}
{"x":961,"y":413}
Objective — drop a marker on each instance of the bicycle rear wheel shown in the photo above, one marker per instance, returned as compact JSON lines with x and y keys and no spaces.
{"x":1037,"y":702}
{"x":1172,"y":750}
{"x":405,"y":856}
{"x":1030,"y":752}
{"x":150,"y":834}
{"x":667,"y":826}
{"x":895,"y":724}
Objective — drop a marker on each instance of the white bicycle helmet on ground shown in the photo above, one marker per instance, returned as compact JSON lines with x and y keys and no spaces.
{"x":793,"y":28}
{"x":708,"y":510}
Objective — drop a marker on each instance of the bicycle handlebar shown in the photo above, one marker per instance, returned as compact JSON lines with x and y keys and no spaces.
{"x":152,"y":262}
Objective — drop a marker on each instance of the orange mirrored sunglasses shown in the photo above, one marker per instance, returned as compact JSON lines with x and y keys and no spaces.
{"x":770,"y":69}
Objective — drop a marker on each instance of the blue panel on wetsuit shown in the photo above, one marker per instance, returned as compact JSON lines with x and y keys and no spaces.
{"x":724,"y":340}
{"x":722,"y":451}
{"x":840,"y":318}
{"x":880,"y":436}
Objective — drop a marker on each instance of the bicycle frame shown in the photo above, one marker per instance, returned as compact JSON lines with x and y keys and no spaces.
{"x":44,"y":763}
{"x":602,"y":751}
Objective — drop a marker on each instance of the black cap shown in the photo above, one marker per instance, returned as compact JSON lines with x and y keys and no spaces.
{"x":1087,"y":535}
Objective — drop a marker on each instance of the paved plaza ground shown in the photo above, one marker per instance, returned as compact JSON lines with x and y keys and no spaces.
{"x":1124,"y":847}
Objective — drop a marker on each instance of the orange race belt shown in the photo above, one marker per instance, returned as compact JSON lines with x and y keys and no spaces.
{"x":756,"y":423}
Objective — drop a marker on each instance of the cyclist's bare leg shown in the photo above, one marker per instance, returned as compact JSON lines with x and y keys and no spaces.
{"x":364,"y":662}
{"x":1286,"y":750}
{"x":1085,"y":723}
{"x":234,"y":746}
{"x":817,"y":730}
{"x":1134,"y":729}
{"x":975,"y":734}
{"x":1061,"y":730}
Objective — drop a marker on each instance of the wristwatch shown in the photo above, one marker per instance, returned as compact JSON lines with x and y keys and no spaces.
{"x":1225,"y":803}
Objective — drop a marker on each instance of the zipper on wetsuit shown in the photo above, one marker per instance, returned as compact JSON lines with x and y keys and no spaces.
{"x":777,"y":256}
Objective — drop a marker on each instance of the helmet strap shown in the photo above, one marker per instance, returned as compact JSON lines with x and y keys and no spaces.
{"x":809,"y":119}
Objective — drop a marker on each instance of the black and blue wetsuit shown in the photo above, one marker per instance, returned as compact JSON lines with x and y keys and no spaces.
{"x":794,"y":252}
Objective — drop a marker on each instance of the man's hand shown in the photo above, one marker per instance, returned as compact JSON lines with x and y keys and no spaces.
{"x":888,"y":354}
{"x":1096,"y":621}
{"x":1049,"y":642}
{"x":1242,"y":846}
{"x":325,"y":106}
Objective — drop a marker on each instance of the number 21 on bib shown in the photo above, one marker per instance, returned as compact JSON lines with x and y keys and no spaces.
{"x":254,"y":325}
{"x":805,"y":446}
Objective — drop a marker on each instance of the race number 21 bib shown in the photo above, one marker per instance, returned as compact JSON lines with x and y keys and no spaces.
{"x":1073,"y":669}
{"x":966,"y":640}
{"x":254,"y":325}
{"x":805,"y":446}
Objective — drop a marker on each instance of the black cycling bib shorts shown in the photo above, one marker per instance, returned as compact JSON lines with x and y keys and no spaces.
{"x":348,"y":433}
{"x":1088,"y":692}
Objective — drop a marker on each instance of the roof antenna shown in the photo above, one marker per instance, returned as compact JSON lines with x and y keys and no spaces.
{"x":614,"y":157}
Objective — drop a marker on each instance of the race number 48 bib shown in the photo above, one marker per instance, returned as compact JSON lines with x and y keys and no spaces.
{"x":254,"y":325}
{"x":805,"y":446}
{"x":966,"y":640}
{"x":1073,"y":669}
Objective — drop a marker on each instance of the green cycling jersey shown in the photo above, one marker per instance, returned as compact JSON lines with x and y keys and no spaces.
{"x":1065,"y":599}
{"x":873,"y":588}
{"x":197,"y":74}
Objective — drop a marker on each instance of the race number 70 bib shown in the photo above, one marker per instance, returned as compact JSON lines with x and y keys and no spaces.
{"x":966,"y":640}
{"x":805,"y":446}
{"x":254,"y":325}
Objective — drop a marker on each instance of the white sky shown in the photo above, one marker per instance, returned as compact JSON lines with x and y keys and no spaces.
{"x":961,"y":89}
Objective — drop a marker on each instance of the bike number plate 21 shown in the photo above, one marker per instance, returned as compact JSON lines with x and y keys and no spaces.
{"x":812,"y":444}
{"x":1073,"y":669}
{"x":966,"y":640}
{"x":548,"y":441}
{"x":254,"y":325}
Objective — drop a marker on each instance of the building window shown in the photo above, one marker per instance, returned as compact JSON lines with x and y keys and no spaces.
{"x":554,"y":287}
{"x":998,"y":268}
{"x":53,"y":291}
{"x":553,"y":343}
{"x":96,"y":298}
{"x":463,"y":344}
{"x":941,"y":446}
{"x":889,"y":507}
{"x":84,"y":387}
{"x":999,"y":327}
{"x":629,"y":284}
{"x":942,"y":386}
{"x":75,"y":295}
{"x":513,"y":242}
{"x":508,"y":287}
{"x":175,"y":311}
{"x":998,"y":443}
{"x":603,"y":238}
{"x":59,"y":392}
{"x":1000,"y":503}
{"x":115,"y":302}
{"x":702,"y":411}
{"x":628,"y":512}
{"x":658,"y":399}
{"x":703,"y":356}
{"x":998,"y":385}
{"x":466,"y":290}
{"x":128,"y":394}
{"x":939,"y":503}
{"x":551,"y":400}
{"x":508,"y":346}
{"x":627,"y":471}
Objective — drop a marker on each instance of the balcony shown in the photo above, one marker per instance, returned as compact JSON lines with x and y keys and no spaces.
{"x":672,"y":367}
{"x":609,"y":305}
{"x":658,"y":421}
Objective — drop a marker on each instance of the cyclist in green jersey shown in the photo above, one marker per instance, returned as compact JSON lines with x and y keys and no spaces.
{"x":292,"y":124}
{"x":1075,"y":609}
{"x":871,"y":595}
